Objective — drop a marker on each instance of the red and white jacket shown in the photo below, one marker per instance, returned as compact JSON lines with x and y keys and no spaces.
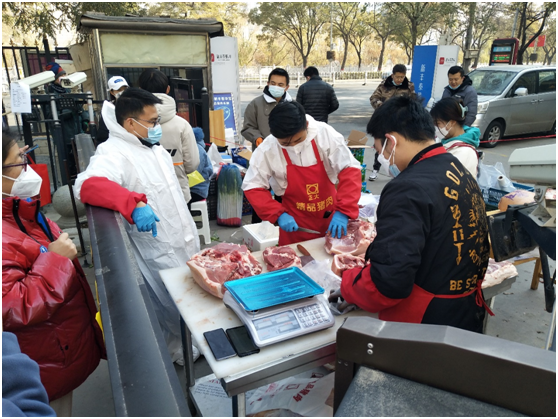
{"x":46,"y":300}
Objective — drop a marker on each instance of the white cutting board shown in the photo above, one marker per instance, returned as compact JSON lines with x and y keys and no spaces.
{"x":203,"y":312}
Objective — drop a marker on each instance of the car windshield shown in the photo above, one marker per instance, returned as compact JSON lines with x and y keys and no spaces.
{"x":491,"y":83}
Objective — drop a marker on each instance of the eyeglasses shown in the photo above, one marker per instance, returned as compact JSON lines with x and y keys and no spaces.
{"x":24,"y":163}
{"x":150,"y":122}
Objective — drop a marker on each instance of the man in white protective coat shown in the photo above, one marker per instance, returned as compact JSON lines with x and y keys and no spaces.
{"x":133,"y":174}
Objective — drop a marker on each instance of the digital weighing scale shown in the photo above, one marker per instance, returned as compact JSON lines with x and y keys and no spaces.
{"x":279,"y":305}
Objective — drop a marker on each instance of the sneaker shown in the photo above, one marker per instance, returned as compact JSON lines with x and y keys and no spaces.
{"x":373,"y":176}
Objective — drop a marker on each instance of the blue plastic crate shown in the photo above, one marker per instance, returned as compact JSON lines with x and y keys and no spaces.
{"x":492,"y":196}
{"x":237,"y":159}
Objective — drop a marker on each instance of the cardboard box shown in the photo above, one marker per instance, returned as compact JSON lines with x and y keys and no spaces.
{"x":254,"y":241}
{"x":357,"y":139}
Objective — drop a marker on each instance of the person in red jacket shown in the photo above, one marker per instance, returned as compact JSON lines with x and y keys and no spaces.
{"x":46,"y":300}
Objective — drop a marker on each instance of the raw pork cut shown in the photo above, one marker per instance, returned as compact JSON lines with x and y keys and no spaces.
{"x":214,"y":266}
{"x":497,"y":272}
{"x":359,"y":236}
{"x":281,"y":257}
{"x":345,"y":261}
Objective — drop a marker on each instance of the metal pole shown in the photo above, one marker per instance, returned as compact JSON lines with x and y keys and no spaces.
{"x":297,"y":79}
{"x":365,"y":78}
{"x":58,"y":139}
{"x":92,"y":124}
{"x":76,"y":216}
{"x":51,"y":157}
{"x":205,"y":114}
{"x":47,"y":50}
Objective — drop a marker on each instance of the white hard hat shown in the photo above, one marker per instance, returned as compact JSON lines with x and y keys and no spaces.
{"x":116,"y":82}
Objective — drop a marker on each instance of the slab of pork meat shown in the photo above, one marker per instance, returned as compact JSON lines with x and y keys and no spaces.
{"x":345,"y":261}
{"x":281,"y":257}
{"x":359,"y":236}
{"x":214,"y":266}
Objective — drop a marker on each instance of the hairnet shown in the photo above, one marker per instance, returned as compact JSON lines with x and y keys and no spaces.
{"x":286,"y":119}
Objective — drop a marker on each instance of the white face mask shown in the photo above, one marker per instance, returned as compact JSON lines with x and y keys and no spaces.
{"x":276,"y":91}
{"x":388,"y":169}
{"x":27,"y":184}
{"x":118,"y":94}
{"x":443,"y":132}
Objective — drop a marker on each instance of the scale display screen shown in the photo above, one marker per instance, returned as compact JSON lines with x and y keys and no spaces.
{"x":276,"y":325}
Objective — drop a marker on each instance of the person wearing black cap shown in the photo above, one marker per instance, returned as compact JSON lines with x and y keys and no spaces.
{"x":302,"y":160}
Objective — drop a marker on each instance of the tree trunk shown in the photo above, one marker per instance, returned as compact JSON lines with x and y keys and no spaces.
{"x":467,"y":61}
{"x":346,"y":42}
{"x":381,"y":57}
{"x":304,"y":60}
{"x":522,"y":33}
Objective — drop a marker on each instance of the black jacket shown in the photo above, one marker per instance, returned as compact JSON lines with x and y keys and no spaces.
{"x":432,"y":232}
{"x":318,"y":98}
{"x":467,"y":92}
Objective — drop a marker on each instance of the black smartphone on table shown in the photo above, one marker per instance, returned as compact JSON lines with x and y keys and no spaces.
{"x":219,"y":344}
{"x":242,"y":341}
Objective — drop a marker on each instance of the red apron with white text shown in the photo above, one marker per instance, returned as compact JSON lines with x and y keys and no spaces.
{"x":308,"y":196}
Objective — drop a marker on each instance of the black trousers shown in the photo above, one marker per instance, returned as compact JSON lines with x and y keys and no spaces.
{"x":377,"y":164}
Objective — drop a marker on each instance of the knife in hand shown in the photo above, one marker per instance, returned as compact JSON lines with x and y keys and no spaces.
{"x":306,"y":230}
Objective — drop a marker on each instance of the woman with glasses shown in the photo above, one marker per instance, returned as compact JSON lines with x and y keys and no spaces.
{"x":46,"y":300}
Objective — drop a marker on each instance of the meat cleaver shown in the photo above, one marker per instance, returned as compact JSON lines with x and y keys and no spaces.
{"x":307,"y":258}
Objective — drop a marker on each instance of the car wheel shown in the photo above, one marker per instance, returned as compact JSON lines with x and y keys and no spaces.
{"x":493,"y":134}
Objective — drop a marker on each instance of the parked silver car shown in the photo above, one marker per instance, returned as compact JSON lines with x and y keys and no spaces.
{"x":514,"y":100}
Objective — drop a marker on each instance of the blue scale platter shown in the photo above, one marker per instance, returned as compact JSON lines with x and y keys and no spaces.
{"x":273,"y":288}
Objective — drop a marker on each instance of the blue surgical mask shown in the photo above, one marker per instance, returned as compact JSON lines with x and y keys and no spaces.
{"x":453,"y":88}
{"x":396,"y":84}
{"x":387,"y":168}
{"x":276,"y":91}
{"x":154,"y":134}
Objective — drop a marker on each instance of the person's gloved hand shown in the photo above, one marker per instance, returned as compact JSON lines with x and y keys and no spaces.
{"x":338,"y":303}
{"x":338,"y":225}
{"x":287,"y":223}
{"x":145,"y":219}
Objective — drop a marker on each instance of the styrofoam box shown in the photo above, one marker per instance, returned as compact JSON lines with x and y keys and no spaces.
{"x":253,"y":240}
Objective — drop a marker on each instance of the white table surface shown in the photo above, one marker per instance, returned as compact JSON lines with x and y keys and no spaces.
{"x":203,"y":312}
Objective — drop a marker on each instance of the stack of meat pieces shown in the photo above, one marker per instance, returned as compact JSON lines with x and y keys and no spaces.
{"x":497,"y":272}
{"x":214,"y":266}
{"x":281,"y":257}
{"x":349,"y":250}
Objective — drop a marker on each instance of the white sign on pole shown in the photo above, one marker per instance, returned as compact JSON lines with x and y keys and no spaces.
{"x":445,"y":59}
{"x":225,"y":71}
{"x":20,"y":97}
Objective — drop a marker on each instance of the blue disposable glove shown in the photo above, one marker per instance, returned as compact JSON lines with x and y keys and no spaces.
{"x":287,"y":223}
{"x":338,"y":225}
{"x":145,"y":219}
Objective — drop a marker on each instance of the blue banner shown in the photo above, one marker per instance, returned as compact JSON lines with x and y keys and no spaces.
{"x":225,"y":101}
{"x":424,"y":64}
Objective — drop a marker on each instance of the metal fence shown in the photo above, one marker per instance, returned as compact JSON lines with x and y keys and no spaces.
{"x":259,"y":75}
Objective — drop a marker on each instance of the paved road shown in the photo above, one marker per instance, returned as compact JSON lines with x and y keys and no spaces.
{"x":354,"y":113}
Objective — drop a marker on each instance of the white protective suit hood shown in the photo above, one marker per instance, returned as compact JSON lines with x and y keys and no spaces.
{"x":114,"y":128}
{"x":167,"y":109}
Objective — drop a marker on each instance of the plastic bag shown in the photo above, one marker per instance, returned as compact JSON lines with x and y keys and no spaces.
{"x":301,"y":395}
{"x":321,"y":273}
{"x":367,"y":207}
{"x":195,"y":178}
{"x":494,"y":177}
{"x":215,"y":157}
{"x":266,"y":230}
